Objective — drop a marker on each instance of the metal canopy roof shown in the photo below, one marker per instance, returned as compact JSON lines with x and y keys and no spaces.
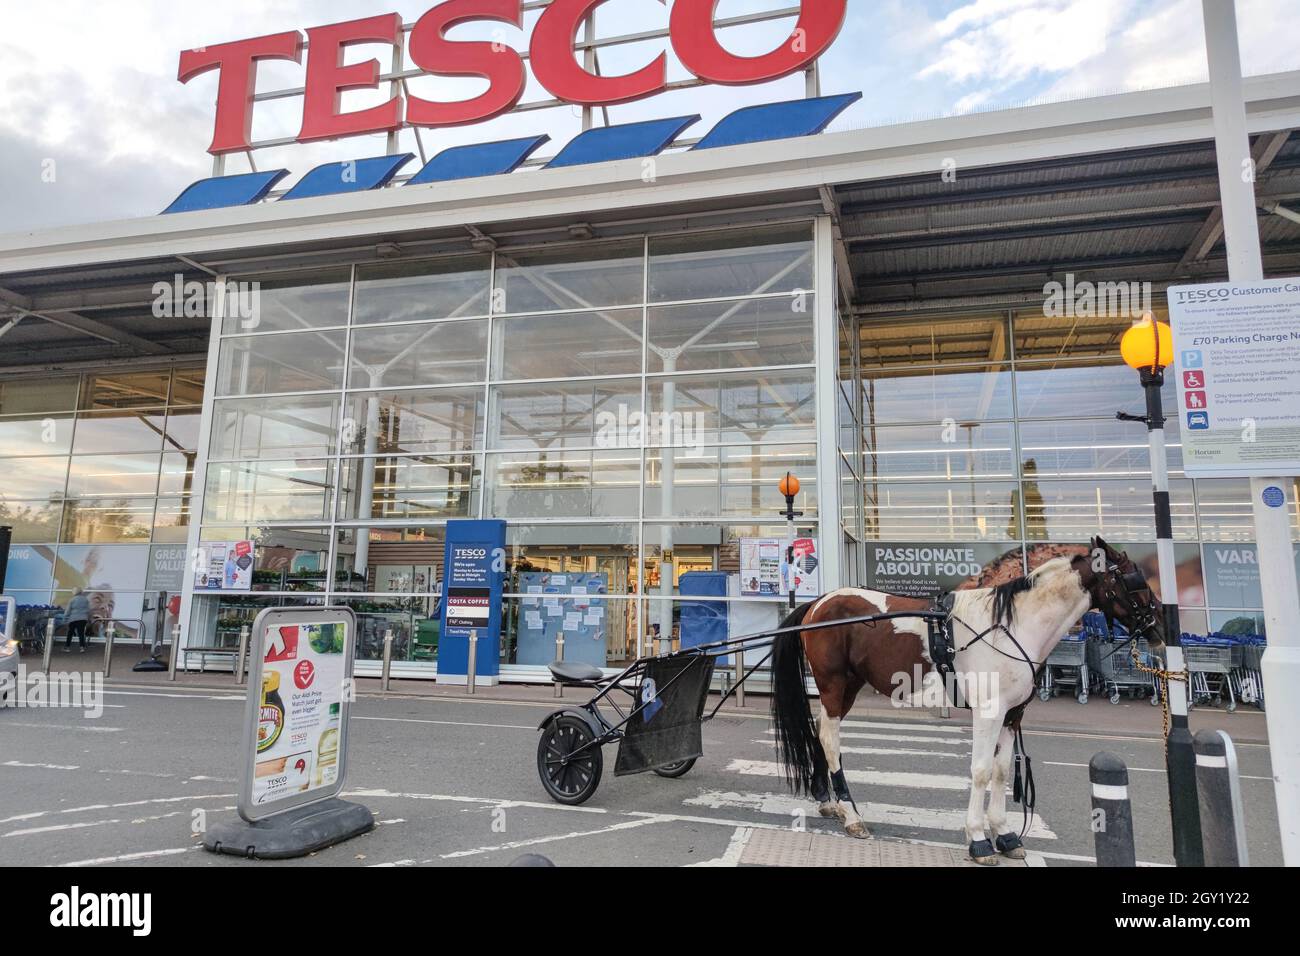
{"x":1119,"y":188}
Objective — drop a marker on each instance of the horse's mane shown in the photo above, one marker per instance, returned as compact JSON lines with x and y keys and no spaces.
{"x":1003,"y":596}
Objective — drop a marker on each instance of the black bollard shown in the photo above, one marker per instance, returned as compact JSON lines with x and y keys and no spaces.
{"x":1218,"y":787}
{"x":1112,"y":815}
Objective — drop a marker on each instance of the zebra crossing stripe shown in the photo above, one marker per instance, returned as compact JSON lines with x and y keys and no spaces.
{"x":909,"y":726}
{"x":896,"y":738}
{"x":879,"y":778}
{"x":881,"y":814}
{"x":890,"y":751}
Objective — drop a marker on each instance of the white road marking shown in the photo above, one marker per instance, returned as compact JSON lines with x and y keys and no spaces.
{"x":127,"y":857}
{"x":191,"y":695}
{"x":893,"y":751}
{"x":447,"y":723}
{"x":113,"y":806}
{"x":39,"y":766}
{"x":897,"y":738}
{"x":879,"y":778}
{"x":735,"y":849}
{"x":394,"y":863}
{"x":89,"y":727}
{"x":479,"y":801}
{"x":909,"y":727}
{"x":904,"y":817}
{"x":1062,"y":763}
{"x":536,"y":841}
{"x":63,"y":826}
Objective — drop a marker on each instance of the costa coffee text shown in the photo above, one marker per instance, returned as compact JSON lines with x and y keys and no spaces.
{"x":550,"y":54}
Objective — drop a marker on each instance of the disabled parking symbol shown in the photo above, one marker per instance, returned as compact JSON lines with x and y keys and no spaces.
{"x":1198,"y":421}
{"x":1194,"y":379}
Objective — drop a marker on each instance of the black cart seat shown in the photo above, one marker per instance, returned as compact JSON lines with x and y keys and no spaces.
{"x":574,"y":672}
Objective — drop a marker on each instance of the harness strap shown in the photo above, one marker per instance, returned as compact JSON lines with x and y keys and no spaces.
{"x":1023,"y":790}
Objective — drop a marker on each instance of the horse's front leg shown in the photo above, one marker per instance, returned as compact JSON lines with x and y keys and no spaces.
{"x":984,"y":737}
{"x":828,"y":731}
{"x":1008,"y":841}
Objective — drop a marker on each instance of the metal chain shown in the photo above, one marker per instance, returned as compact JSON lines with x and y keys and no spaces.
{"x":1164,"y":677}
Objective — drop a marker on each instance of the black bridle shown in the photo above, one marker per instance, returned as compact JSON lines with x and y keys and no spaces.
{"x":1117,"y":588}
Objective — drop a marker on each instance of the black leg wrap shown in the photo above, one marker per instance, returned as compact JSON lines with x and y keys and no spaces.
{"x":981,"y":849}
{"x":1008,"y":842}
{"x":821,"y":789}
{"x":841,"y":785}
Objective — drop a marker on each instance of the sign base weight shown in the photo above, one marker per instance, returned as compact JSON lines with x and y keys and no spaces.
{"x":293,"y":833}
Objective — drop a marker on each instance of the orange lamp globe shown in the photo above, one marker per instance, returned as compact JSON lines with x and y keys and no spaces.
{"x":1148,"y":345}
{"x":789,"y":485}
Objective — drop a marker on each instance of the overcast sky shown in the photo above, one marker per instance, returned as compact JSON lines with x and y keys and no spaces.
{"x":89,"y":97}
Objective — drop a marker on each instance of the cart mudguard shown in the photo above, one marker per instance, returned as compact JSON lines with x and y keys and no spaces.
{"x":585,"y":715}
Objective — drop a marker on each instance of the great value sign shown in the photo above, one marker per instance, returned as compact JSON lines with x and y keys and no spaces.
{"x":1237,"y":363}
{"x":550,"y":54}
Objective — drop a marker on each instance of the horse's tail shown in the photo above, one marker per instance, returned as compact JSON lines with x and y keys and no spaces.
{"x":798,"y":749}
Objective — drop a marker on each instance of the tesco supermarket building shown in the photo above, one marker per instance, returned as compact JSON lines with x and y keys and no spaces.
{"x":618,"y":345}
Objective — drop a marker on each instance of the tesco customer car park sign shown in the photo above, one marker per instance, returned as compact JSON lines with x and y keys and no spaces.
{"x":693,"y":38}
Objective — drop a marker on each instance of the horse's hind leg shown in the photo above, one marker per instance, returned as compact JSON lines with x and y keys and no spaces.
{"x":826,"y":806}
{"x":1007,"y":841}
{"x":828,"y":730}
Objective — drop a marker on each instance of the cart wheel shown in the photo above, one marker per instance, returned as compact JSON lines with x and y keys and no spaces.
{"x":1155,"y":699}
{"x":1056,"y":692}
{"x":1044,"y":695}
{"x":1082,"y":698}
{"x":568,"y":781}
{"x":679,"y":769}
{"x":1232,"y":706}
{"x":1114,"y":697}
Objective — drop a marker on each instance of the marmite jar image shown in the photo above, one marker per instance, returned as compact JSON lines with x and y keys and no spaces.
{"x":270,"y":716}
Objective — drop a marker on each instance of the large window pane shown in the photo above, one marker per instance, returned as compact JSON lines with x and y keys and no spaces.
{"x":176,"y":477}
{"x":100,"y":476}
{"x":1057,"y":390}
{"x":286,"y":303}
{"x":31,"y":521}
{"x":728,"y":481}
{"x":108,"y":520}
{"x":416,"y":421}
{"x":565,"y":414}
{"x":564,"y":484}
{"x":428,"y":289}
{"x":1092,"y":329}
{"x":133,"y":431}
{"x":568,"y":345}
{"x":735,"y":408}
{"x":183,"y":426}
{"x":934,"y":340}
{"x":420,"y":488}
{"x":126,"y":389}
{"x":1122,"y":510}
{"x":103,"y":570}
{"x":953,"y":511}
{"x":1084,"y":449}
{"x":435,"y":353}
{"x":253,"y":492}
{"x":188,"y":385}
{"x":38,"y":396}
{"x":593,"y":276}
{"x":258,"y":428}
{"x":958,"y":394}
{"x":35,"y":477}
{"x":751,"y":332}
{"x":1226,"y":513}
{"x":941,"y":452}
{"x":35,"y":435}
{"x":731,"y":264}
{"x":260,"y":364}
{"x":171,"y":521}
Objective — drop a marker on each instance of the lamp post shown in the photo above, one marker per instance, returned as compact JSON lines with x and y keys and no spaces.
{"x":1148,"y":347}
{"x":789,"y":487}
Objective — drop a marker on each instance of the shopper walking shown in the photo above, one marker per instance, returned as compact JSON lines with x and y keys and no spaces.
{"x":77,"y":617}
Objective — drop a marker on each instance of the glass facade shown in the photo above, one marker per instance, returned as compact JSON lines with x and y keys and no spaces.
{"x":627,"y":407}
{"x":990,"y":444}
{"x":98,"y":472}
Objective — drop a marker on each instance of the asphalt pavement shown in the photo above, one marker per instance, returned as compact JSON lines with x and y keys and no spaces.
{"x":453,"y":781}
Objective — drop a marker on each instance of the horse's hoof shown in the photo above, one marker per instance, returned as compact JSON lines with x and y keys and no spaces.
{"x":858,"y":831}
{"x":831,"y":811}
{"x":1009,"y":845}
{"x":981,"y":852}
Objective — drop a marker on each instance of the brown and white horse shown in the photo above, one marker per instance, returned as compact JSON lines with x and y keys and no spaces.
{"x":1002,"y":636}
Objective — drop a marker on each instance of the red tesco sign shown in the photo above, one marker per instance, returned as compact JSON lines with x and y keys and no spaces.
{"x":550,"y":53}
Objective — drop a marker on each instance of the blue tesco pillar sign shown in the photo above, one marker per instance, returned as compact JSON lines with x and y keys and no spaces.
{"x":472,"y":576}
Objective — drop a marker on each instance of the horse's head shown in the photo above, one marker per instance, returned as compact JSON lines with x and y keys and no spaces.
{"x":1120,"y":591}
